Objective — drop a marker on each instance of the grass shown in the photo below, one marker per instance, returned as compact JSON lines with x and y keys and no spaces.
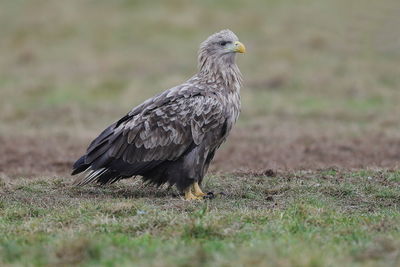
{"x":63,"y":63}
{"x":288,"y":219}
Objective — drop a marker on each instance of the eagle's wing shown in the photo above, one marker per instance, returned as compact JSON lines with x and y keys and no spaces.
{"x":162,"y":128}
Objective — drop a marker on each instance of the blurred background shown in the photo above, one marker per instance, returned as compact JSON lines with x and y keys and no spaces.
{"x":321,"y":77}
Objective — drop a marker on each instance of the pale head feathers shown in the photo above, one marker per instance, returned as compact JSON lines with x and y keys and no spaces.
{"x":217,"y":61}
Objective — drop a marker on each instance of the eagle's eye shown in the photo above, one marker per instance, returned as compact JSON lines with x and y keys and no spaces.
{"x":223,"y":43}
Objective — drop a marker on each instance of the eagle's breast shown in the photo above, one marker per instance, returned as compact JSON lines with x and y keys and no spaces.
{"x":232,"y":109}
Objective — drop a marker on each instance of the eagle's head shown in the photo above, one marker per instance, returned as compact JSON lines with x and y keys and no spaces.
{"x":219,"y":50}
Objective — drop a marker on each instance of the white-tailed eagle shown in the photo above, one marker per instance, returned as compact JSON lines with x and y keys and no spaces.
{"x":172,"y":137}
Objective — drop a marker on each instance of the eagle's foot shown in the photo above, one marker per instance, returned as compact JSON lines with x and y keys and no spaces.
{"x":197,"y":190}
{"x":189,"y":195}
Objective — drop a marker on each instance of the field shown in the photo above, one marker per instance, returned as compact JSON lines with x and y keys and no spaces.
{"x":309,"y":177}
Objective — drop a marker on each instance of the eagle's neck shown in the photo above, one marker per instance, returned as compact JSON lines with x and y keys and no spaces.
{"x":223,"y":70}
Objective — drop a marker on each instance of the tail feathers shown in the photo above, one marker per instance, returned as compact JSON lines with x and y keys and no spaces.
{"x":107,"y":170}
{"x":103,"y":176}
{"x":90,"y":175}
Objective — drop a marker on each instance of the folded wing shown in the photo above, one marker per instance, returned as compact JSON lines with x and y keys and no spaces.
{"x":161,"y":129}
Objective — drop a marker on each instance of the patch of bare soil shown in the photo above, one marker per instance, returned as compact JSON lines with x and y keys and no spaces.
{"x":263,"y":152}
{"x":38,"y":156}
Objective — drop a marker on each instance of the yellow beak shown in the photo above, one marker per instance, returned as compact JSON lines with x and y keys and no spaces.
{"x":239,"y":47}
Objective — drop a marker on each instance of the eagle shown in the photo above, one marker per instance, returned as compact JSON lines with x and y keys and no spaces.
{"x":172,"y":137}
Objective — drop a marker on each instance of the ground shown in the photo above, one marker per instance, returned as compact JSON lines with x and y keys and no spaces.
{"x":296,"y":218}
{"x":309,"y":177}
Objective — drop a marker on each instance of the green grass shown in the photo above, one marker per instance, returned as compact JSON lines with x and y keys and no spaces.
{"x":66,"y":62}
{"x":302,"y":219}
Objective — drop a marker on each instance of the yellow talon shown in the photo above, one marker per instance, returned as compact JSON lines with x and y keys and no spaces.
{"x":197,"y":190}
{"x":189,"y":195}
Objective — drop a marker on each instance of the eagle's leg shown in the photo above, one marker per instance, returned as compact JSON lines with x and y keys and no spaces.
{"x":197,"y":190}
{"x":189,"y":195}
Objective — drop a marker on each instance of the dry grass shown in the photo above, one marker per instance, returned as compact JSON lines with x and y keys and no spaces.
{"x":349,"y":217}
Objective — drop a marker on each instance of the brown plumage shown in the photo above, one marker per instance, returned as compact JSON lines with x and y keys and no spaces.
{"x":172,"y":137}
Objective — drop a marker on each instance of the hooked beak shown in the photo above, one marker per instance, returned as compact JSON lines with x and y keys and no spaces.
{"x":239,"y":47}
